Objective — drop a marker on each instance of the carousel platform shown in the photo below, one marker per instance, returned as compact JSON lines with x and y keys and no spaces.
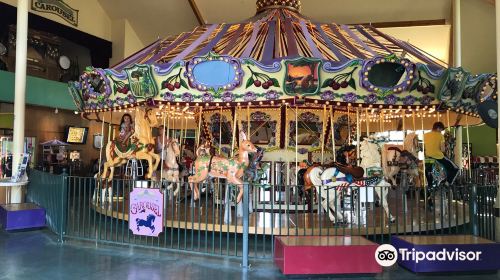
{"x":325,"y":255}
{"x":205,"y":215}
{"x":453,"y":253}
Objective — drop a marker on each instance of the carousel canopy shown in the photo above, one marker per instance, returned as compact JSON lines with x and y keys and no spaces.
{"x":279,"y":31}
{"x":281,"y":57}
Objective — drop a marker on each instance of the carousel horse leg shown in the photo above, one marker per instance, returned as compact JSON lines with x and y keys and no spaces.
{"x":227,"y":206}
{"x":239,"y":183}
{"x":382,"y":190}
{"x":335,"y":205}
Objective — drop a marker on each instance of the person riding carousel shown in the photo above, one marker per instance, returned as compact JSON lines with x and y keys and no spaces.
{"x":346,"y":155}
{"x":434,"y":149}
{"x":126,"y":130}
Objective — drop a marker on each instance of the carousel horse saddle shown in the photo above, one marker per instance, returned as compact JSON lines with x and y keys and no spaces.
{"x":355,"y":171}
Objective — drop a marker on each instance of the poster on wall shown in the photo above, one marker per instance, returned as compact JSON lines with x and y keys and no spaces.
{"x":146,"y":212}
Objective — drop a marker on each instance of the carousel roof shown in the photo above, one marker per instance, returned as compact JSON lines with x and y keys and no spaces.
{"x":279,"y":31}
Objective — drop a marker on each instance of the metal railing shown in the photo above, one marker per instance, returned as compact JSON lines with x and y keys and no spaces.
{"x":85,"y":208}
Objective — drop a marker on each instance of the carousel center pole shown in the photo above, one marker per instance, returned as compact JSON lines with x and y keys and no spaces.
{"x":333,"y":133}
{"x":235,"y":118}
{"x":497,"y":203}
{"x":358,"y":137}
{"x":162,"y":145}
{"x":20,"y":91}
{"x":198,"y":134}
{"x":323,"y":136}
{"x":102,"y":144}
{"x":296,"y":144}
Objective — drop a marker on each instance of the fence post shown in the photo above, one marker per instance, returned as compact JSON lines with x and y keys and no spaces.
{"x":63,"y":212}
{"x":473,"y":209}
{"x":244,"y":263}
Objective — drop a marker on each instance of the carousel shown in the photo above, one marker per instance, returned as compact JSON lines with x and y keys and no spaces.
{"x":323,"y":120}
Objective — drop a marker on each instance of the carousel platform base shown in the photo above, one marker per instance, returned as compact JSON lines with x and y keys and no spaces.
{"x":454,"y":253}
{"x":325,"y":255}
{"x":16,"y":216}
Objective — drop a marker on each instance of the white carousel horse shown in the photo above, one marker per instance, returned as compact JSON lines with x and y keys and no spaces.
{"x":170,"y":166}
{"x":329,"y":184}
{"x":391,"y":155}
{"x":231,"y":169}
{"x":141,"y":147}
{"x":371,"y":161}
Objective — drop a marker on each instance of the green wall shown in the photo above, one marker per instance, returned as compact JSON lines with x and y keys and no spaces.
{"x":483,"y":140}
{"x":39,"y":92}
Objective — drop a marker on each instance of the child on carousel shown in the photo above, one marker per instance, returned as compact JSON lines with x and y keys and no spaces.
{"x":126,"y":130}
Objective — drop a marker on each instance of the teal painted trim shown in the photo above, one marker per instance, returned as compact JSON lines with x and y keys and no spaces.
{"x":40,"y":92}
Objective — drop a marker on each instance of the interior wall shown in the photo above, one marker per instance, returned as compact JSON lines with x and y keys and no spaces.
{"x":125,"y":40}
{"x":478,"y":36}
{"x":433,"y":39}
{"x":483,"y":140}
{"x":92,"y":18}
{"x":44,"y":124}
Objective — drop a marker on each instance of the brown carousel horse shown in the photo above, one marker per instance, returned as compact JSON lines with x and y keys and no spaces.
{"x":231,"y":169}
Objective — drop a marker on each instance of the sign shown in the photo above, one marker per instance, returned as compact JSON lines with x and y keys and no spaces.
{"x":146,"y":212}
{"x":76,"y":135}
{"x":18,"y":174}
{"x":57,"y":7}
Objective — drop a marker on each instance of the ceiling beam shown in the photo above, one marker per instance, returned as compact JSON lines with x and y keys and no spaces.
{"x":406,"y":23}
{"x":197,"y":12}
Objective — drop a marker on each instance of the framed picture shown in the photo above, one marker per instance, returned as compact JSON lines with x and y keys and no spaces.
{"x":98,"y":141}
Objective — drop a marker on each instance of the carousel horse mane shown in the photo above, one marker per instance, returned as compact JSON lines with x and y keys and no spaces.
{"x":370,"y":154}
{"x":410,"y":143}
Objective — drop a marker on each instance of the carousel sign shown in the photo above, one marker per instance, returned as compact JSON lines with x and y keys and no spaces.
{"x":146,"y":212}
{"x":56,"y":7}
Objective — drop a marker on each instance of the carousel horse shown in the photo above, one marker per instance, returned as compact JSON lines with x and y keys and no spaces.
{"x":170,"y":165}
{"x":141,"y":147}
{"x":371,"y":162}
{"x":231,"y":169}
{"x":330,"y":183}
{"x":396,"y":158}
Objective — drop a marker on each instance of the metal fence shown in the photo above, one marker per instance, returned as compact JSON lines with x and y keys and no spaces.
{"x":84,"y":208}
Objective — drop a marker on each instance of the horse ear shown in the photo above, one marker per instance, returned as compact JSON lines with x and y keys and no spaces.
{"x":243,"y":136}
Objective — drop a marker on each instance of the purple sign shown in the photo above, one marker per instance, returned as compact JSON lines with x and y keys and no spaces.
{"x":146,"y":212}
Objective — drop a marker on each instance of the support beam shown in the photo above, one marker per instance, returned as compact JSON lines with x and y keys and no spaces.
{"x":197,"y":12}
{"x":457,"y":62}
{"x":20,"y":90}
